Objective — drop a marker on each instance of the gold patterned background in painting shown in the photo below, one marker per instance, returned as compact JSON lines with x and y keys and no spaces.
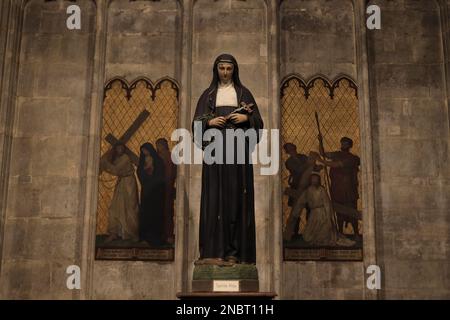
{"x":337,"y":105}
{"x":122,"y":105}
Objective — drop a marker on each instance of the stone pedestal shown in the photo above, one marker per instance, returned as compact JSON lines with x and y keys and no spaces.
{"x":235,"y":278}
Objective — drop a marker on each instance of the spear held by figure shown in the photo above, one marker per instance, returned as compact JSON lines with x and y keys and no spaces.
{"x":327,"y":176}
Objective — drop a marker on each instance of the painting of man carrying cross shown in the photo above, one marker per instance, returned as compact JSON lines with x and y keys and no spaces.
{"x":124,"y":208}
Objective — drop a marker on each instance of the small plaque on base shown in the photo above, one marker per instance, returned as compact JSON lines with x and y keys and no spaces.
{"x":226,"y":285}
{"x":236,"y":278}
{"x":140,"y":254}
{"x":329,"y":254}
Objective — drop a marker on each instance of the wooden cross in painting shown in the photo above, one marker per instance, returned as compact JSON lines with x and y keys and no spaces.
{"x":112,"y":140}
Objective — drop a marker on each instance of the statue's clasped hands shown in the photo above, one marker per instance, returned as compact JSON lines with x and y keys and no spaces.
{"x":235,"y":118}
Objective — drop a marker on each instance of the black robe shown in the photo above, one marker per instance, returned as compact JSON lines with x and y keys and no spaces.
{"x":227,"y":211}
{"x":151,"y":209}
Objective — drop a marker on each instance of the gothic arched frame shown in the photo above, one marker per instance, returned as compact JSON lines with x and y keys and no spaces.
{"x":128,"y":91}
{"x":328,"y":106}
{"x":331,"y":85}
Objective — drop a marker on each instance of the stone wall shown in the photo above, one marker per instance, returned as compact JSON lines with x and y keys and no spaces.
{"x":317,"y":37}
{"x":5,"y":132}
{"x":143,"y":39}
{"x":408,"y":100}
{"x":50,"y":103}
{"x":42,"y":224}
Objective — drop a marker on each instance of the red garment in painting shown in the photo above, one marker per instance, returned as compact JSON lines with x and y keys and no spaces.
{"x":344,"y":180}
